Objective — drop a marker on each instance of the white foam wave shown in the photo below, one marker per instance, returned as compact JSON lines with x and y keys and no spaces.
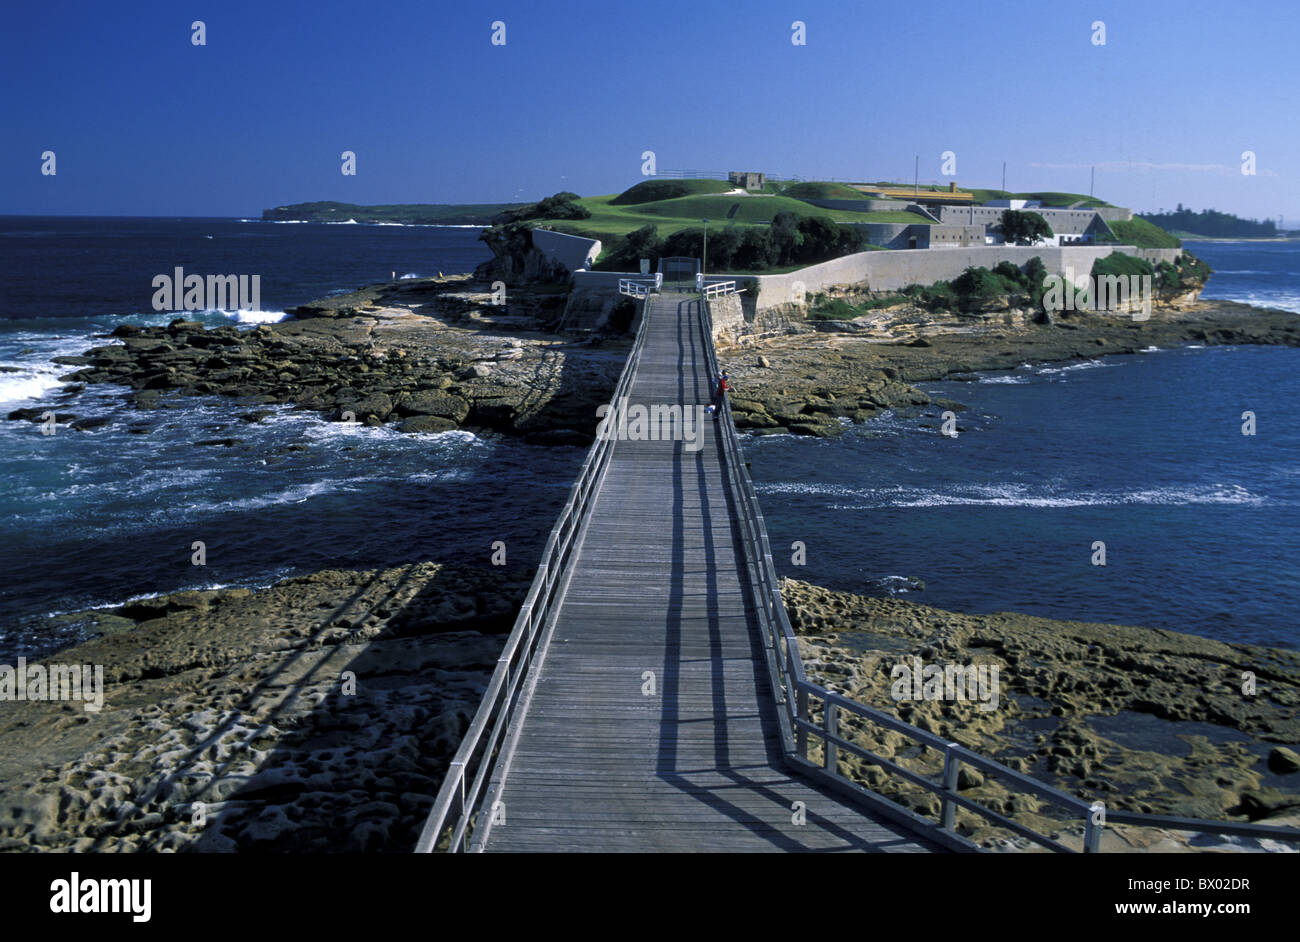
{"x":256,"y":317}
{"x":1025,"y":371}
{"x":210,"y":317}
{"x":29,"y":383}
{"x":1280,"y":300}
{"x":438,"y":477}
{"x":146,"y":482}
{"x":297,"y":494}
{"x":1015,"y":495}
{"x":897,"y":585}
{"x":1074,"y":367}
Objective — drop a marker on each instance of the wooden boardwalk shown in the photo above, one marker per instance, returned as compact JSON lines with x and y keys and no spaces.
{"x":604,"y":762}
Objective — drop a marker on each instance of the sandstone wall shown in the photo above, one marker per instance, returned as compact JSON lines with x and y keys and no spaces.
{"x":895,"y":270}
{"x":574,"y":252}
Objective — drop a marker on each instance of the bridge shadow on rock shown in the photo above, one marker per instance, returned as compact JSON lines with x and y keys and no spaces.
{"x":340,"y":742}
{"x":343,"y":742}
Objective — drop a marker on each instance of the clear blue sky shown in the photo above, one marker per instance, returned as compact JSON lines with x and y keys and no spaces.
{"x":143,"y":122}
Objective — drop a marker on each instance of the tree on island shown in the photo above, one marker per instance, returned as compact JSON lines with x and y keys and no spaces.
{"x":562,"y":205}
{"x":1023,"y":228}
{"x":1212,"y":223}
{"x":641,"y":243}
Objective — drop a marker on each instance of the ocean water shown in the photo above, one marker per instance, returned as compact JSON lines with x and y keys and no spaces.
{"x":95,"y":518}
{"x":1144,"y":453}
{"x":1261,"y":273}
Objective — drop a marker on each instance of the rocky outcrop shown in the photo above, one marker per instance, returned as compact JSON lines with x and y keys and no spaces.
{"x":318,"y":714}
{"x":460,"y":362}
{"x":1061,"y":684}
{"x":516,"y":261}
{"x":598,"y":309}
{"x":767,"y":403}
{"x":821,"y":382}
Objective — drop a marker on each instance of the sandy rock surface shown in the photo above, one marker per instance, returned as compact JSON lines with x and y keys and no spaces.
{"x":229,"y":722}
{"x":1141,"y":719}
{"x":426,"y":355}
{"x":815,"y":381}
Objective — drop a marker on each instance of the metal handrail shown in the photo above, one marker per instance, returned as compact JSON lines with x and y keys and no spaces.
{"x":795,"y":694}
{"x":462,"y":803}
{"x":640,"y":287}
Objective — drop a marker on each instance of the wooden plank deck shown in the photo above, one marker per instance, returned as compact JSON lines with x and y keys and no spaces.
{"x":657,"y":586}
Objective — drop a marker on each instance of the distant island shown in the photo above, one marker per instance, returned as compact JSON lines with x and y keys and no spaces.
{"x":407,"y":214}
{"x":1212,"y":224}
{"x":829,"y":219}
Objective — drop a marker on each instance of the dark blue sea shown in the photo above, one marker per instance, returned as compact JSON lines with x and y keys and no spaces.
{"x":95,"y":518}
{"x":1142,"y":452}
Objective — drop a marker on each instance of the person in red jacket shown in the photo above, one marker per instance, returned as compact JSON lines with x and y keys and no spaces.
{"x":719,"y":394}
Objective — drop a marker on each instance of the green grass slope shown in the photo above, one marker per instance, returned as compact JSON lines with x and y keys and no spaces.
{"x":1144,"y":234}
{"x":650,"y":191}
{"x":610,"y":220}
{"x":816,"y":190}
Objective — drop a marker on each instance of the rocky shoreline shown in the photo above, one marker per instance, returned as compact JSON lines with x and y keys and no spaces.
{"x":431,"y":355}
{"x":229,"y":705}
{"x":427,"y":356}
{"x":813,"y":382}
{"x":1141,"y":719}
{"x":318,"y":714}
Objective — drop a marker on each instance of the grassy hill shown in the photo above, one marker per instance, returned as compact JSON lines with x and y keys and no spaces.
{"x":616,"y":215}
{"x":1144,"y":234}
{"x":610,"y":219}
{"x":650,"y":191}
{"x":1049,"y":197}
{"x":815,"y":190}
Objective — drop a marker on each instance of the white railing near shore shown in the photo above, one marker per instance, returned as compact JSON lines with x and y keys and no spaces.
{"x":796,"y":696}
{"x":640,"y":287}
{"x":720,"y":288}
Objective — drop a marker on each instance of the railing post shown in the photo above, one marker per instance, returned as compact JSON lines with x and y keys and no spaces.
{"x":802,"y":738}
{"x":1091,"y":834}
{"x":460,"y":803}
{"x":832,"y":721}
{"x":951,"y":769}
{"x":509,"y":681}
